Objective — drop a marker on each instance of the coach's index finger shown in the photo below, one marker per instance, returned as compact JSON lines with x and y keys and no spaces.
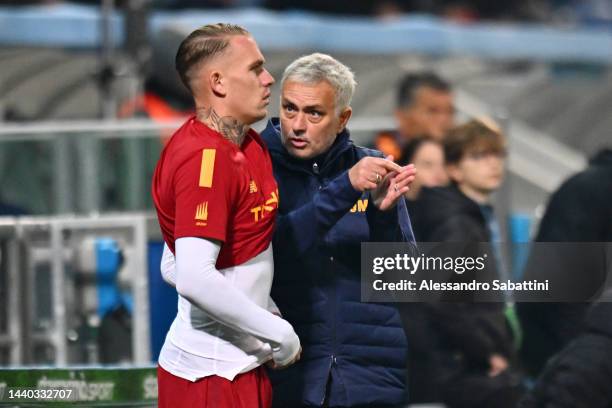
{"x":388,"y":164}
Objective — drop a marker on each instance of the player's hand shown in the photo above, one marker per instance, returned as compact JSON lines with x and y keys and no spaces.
{"x":392,"y":187}
{"x":498,"y":364}
{"x":288,"y":350}
{"x":369,"y":172}
{"x":273,"y":365}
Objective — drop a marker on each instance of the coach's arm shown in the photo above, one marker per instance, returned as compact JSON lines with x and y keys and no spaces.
{"x":303,"y":227}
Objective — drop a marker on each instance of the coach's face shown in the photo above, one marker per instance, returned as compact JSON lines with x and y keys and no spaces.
{"x":245,"y":82}
{"x":309,"y":121}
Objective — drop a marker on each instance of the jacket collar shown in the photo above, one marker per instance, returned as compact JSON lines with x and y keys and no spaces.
{"x":324,"y":162}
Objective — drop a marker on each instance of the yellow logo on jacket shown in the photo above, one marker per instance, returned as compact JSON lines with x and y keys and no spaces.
{"x":360,"y":206}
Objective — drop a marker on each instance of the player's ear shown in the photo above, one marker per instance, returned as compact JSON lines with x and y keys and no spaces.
{"x":217,"y":83}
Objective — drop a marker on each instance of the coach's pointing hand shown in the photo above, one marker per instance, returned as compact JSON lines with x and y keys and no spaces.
{"x":369,"y":172}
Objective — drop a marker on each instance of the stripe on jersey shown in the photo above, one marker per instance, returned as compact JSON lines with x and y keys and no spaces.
{"x":207,"y":167}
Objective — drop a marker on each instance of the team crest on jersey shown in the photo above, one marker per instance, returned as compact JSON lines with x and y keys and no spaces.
{"x":201,"y":215}
{"x":252,"y":187}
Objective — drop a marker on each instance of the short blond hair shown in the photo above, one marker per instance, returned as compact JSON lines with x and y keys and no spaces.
{"x":202,"y":45}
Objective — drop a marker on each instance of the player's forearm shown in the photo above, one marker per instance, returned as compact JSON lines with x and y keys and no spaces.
{"x":203,"y":285}
{"x":305,"y":226}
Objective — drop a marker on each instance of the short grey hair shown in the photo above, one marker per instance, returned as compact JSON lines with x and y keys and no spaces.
{"x":317,"y":67}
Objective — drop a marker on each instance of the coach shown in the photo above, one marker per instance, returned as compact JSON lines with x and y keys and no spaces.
{"x":333,"y":196}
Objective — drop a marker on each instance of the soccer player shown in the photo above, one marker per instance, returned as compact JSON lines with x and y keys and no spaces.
{"x":216,"y":201}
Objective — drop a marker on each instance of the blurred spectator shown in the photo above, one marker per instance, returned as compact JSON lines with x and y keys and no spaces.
{"x":424,"y":108}
{"x":581,"y":374}
{"x":463,"y":351}
{"x":579,"y":211}
{"x":427,"y":155}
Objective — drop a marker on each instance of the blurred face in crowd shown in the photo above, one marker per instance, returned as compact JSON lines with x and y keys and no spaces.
{"x":479,"y":172}
{"x":430,"y":114}
{"x":309,"y":121}
{"x":429,"y":159}
{"x":239,"y":78}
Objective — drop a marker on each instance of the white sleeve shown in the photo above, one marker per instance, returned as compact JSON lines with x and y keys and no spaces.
{"x":168,"y":267}
{"x":272,"y":308}
{"x":203,"y":285}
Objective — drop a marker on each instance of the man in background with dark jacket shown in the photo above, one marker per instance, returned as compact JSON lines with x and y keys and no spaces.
{"x":333,"y":196}
{"x":580,"y":375}
{"x":579,"y":211}
{"x":467,"y":348}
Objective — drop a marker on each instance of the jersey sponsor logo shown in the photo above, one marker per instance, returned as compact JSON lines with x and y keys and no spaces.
{"x":360,"y":206}
{"x":201,"y":214}
{"x":260,"y":211}
{"x":252,"y":187}
{"x":207,"y":167}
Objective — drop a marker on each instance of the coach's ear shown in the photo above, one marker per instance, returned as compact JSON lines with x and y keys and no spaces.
{"x":217,"y":83}
{"x":345,"y":115}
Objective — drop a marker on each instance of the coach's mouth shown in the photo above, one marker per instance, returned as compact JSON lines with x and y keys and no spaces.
{"x":298,"y":143}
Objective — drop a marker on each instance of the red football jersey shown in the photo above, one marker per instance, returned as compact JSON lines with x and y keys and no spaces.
{"x":205,"y":186}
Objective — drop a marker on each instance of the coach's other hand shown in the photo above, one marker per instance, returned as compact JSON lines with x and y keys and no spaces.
{"x":393,"y":186}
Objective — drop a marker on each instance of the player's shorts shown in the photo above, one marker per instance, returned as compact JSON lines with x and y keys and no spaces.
{"x":248,"y":390}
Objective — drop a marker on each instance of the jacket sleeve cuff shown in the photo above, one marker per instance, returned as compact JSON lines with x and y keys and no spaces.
{"x":344,"y":194}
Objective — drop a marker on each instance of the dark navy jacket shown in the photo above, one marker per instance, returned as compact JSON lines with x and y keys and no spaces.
{"x":321,"y":222}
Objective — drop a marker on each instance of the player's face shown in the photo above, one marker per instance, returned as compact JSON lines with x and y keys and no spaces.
{"x":248,"y":82}
{"x":309,"y":122}
{"x":431,"y":114}
{"x":479,"y":171}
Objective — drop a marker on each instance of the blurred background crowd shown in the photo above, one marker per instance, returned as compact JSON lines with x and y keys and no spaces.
{"x":504,"y":107}
{"x":558,"y":11}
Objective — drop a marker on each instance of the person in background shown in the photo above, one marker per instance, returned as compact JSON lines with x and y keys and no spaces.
{"x":579,"y":211}
{"x":424,"y":107}
{"x":427,"y":155}
{"x":465,"y":350}
{"x":579,"y":376}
